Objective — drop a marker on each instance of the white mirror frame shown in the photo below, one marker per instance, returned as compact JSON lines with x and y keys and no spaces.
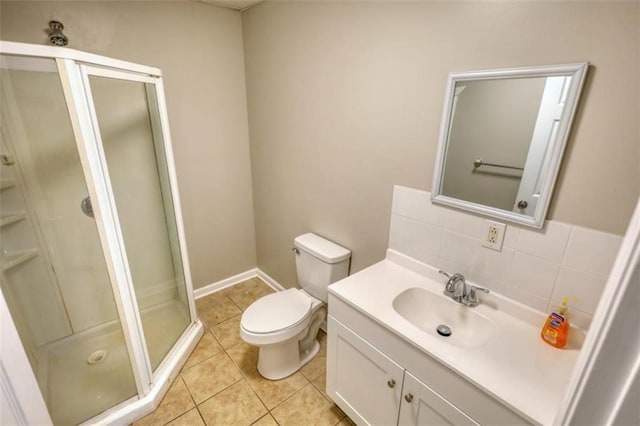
{"x":578,"y":73}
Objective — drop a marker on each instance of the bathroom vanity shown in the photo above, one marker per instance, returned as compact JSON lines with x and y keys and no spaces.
{"x":387,"y":365}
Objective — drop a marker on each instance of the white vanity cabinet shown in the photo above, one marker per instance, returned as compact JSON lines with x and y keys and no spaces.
{"x":378,"y":378}
{"x":372,"y":389}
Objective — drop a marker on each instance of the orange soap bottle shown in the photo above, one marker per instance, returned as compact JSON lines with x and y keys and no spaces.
{"x":556,"y":329}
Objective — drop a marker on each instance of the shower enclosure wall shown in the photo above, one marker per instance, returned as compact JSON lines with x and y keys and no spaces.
{"x":97,"y":303}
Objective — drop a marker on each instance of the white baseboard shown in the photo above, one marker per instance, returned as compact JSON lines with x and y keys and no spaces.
{"x":270,"y":281}
{"x":227,"y":282}
{"x":236,"y":279}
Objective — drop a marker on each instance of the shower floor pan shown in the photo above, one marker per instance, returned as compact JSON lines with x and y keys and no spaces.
{"x":82,"y":375}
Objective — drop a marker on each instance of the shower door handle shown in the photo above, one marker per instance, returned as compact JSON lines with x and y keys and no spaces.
{"x":86,"y":207}
{"x":6,"y":159}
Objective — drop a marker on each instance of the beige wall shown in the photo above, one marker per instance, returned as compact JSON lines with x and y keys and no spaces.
{"x":345,"y":100}
{"x":199,"y":49}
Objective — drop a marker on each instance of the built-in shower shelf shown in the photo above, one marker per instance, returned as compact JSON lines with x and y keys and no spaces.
{"x":8,"y":219}
{"x":7,"y":183}
{"x":12,"y":260}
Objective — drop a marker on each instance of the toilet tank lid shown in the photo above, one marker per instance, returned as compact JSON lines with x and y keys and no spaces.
{"x":321,"y":248}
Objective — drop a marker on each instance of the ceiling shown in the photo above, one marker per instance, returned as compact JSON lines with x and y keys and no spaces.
{"x":233,"y":4}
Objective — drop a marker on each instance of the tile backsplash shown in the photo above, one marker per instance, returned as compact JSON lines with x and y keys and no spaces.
{"x":535,"y":267}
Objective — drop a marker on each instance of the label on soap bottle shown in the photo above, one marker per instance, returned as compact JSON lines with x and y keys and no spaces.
{"x":550,"y":335}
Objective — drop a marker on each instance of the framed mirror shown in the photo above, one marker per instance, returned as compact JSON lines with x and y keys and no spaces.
{"x":502,"y":138}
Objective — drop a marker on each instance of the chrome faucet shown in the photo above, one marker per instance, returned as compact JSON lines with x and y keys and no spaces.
{"x":458,"y":289}
{"x":452,"y":289}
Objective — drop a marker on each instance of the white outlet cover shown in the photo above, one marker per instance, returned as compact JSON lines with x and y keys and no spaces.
{"x":500,"y":230}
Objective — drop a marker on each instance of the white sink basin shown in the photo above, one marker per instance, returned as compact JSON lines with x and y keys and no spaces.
{"x":427,"y":310}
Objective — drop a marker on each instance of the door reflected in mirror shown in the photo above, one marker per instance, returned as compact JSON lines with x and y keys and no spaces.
{"x":502,"y":138}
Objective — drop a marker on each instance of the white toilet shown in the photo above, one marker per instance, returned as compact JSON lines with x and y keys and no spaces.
{"x":284,"y":325}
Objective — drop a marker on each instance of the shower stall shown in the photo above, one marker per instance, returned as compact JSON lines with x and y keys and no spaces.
{"x":96,"y":296}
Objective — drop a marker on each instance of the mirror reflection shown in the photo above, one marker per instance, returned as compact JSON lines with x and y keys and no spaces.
{"x":502,"y":140}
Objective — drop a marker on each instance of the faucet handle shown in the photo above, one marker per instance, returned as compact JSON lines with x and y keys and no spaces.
{"x":472,"y":298}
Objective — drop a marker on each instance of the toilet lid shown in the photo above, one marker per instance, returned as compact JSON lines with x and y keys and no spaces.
{"x":276,"y":311}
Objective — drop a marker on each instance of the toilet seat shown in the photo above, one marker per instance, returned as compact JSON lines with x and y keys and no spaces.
{"x":276,"y":312}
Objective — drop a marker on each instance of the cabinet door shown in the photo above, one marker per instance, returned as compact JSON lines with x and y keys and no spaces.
{"x":422,"y":406}
{"x":364,"y":382}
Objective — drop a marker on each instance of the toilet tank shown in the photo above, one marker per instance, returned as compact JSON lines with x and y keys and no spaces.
{"x":320,"y":262}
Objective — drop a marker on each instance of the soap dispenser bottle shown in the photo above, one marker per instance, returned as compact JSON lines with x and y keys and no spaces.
{"x":556,"y":329}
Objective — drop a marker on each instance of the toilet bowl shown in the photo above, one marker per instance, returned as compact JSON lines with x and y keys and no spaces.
{"x":284,"y":325}
{"x":277,"y":323}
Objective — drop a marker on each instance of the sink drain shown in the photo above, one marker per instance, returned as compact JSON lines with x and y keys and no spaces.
{"x":444,"y":330}
{"x":97,"y":357}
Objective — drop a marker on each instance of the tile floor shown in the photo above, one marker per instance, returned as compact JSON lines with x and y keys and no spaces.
{"x":220,"y":385}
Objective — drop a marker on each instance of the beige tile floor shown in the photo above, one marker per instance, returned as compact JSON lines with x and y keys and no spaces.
{"x":220,"y":385}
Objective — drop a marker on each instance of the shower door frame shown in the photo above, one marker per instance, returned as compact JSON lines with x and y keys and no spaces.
{"x":141,"y":353}
{"x":73,"y":69}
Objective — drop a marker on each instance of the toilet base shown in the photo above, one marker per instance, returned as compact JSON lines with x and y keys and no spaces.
{"x":276,"y":362}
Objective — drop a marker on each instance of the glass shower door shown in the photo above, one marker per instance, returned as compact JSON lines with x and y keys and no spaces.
{"x":53,"y":272}
{"x":128,"y":117}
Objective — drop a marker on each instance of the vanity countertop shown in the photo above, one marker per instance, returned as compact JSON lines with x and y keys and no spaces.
{"x":514,"y":366}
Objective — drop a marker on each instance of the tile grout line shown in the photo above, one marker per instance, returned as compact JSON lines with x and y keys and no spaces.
{"x":246,"y":378}
{"x":219,"y":392}
{"x":190,"y":396}
{"x":236,"y":305}
{"x":293,"y":394}
{"x":204,"y":422}
{"x":197,"y":405}
{"x":562,"y":259}
{"x":205,"y":359}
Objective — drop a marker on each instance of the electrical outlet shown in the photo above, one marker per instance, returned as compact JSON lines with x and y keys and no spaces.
{"x":492,"y":238}
{"x":494,"y":235}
